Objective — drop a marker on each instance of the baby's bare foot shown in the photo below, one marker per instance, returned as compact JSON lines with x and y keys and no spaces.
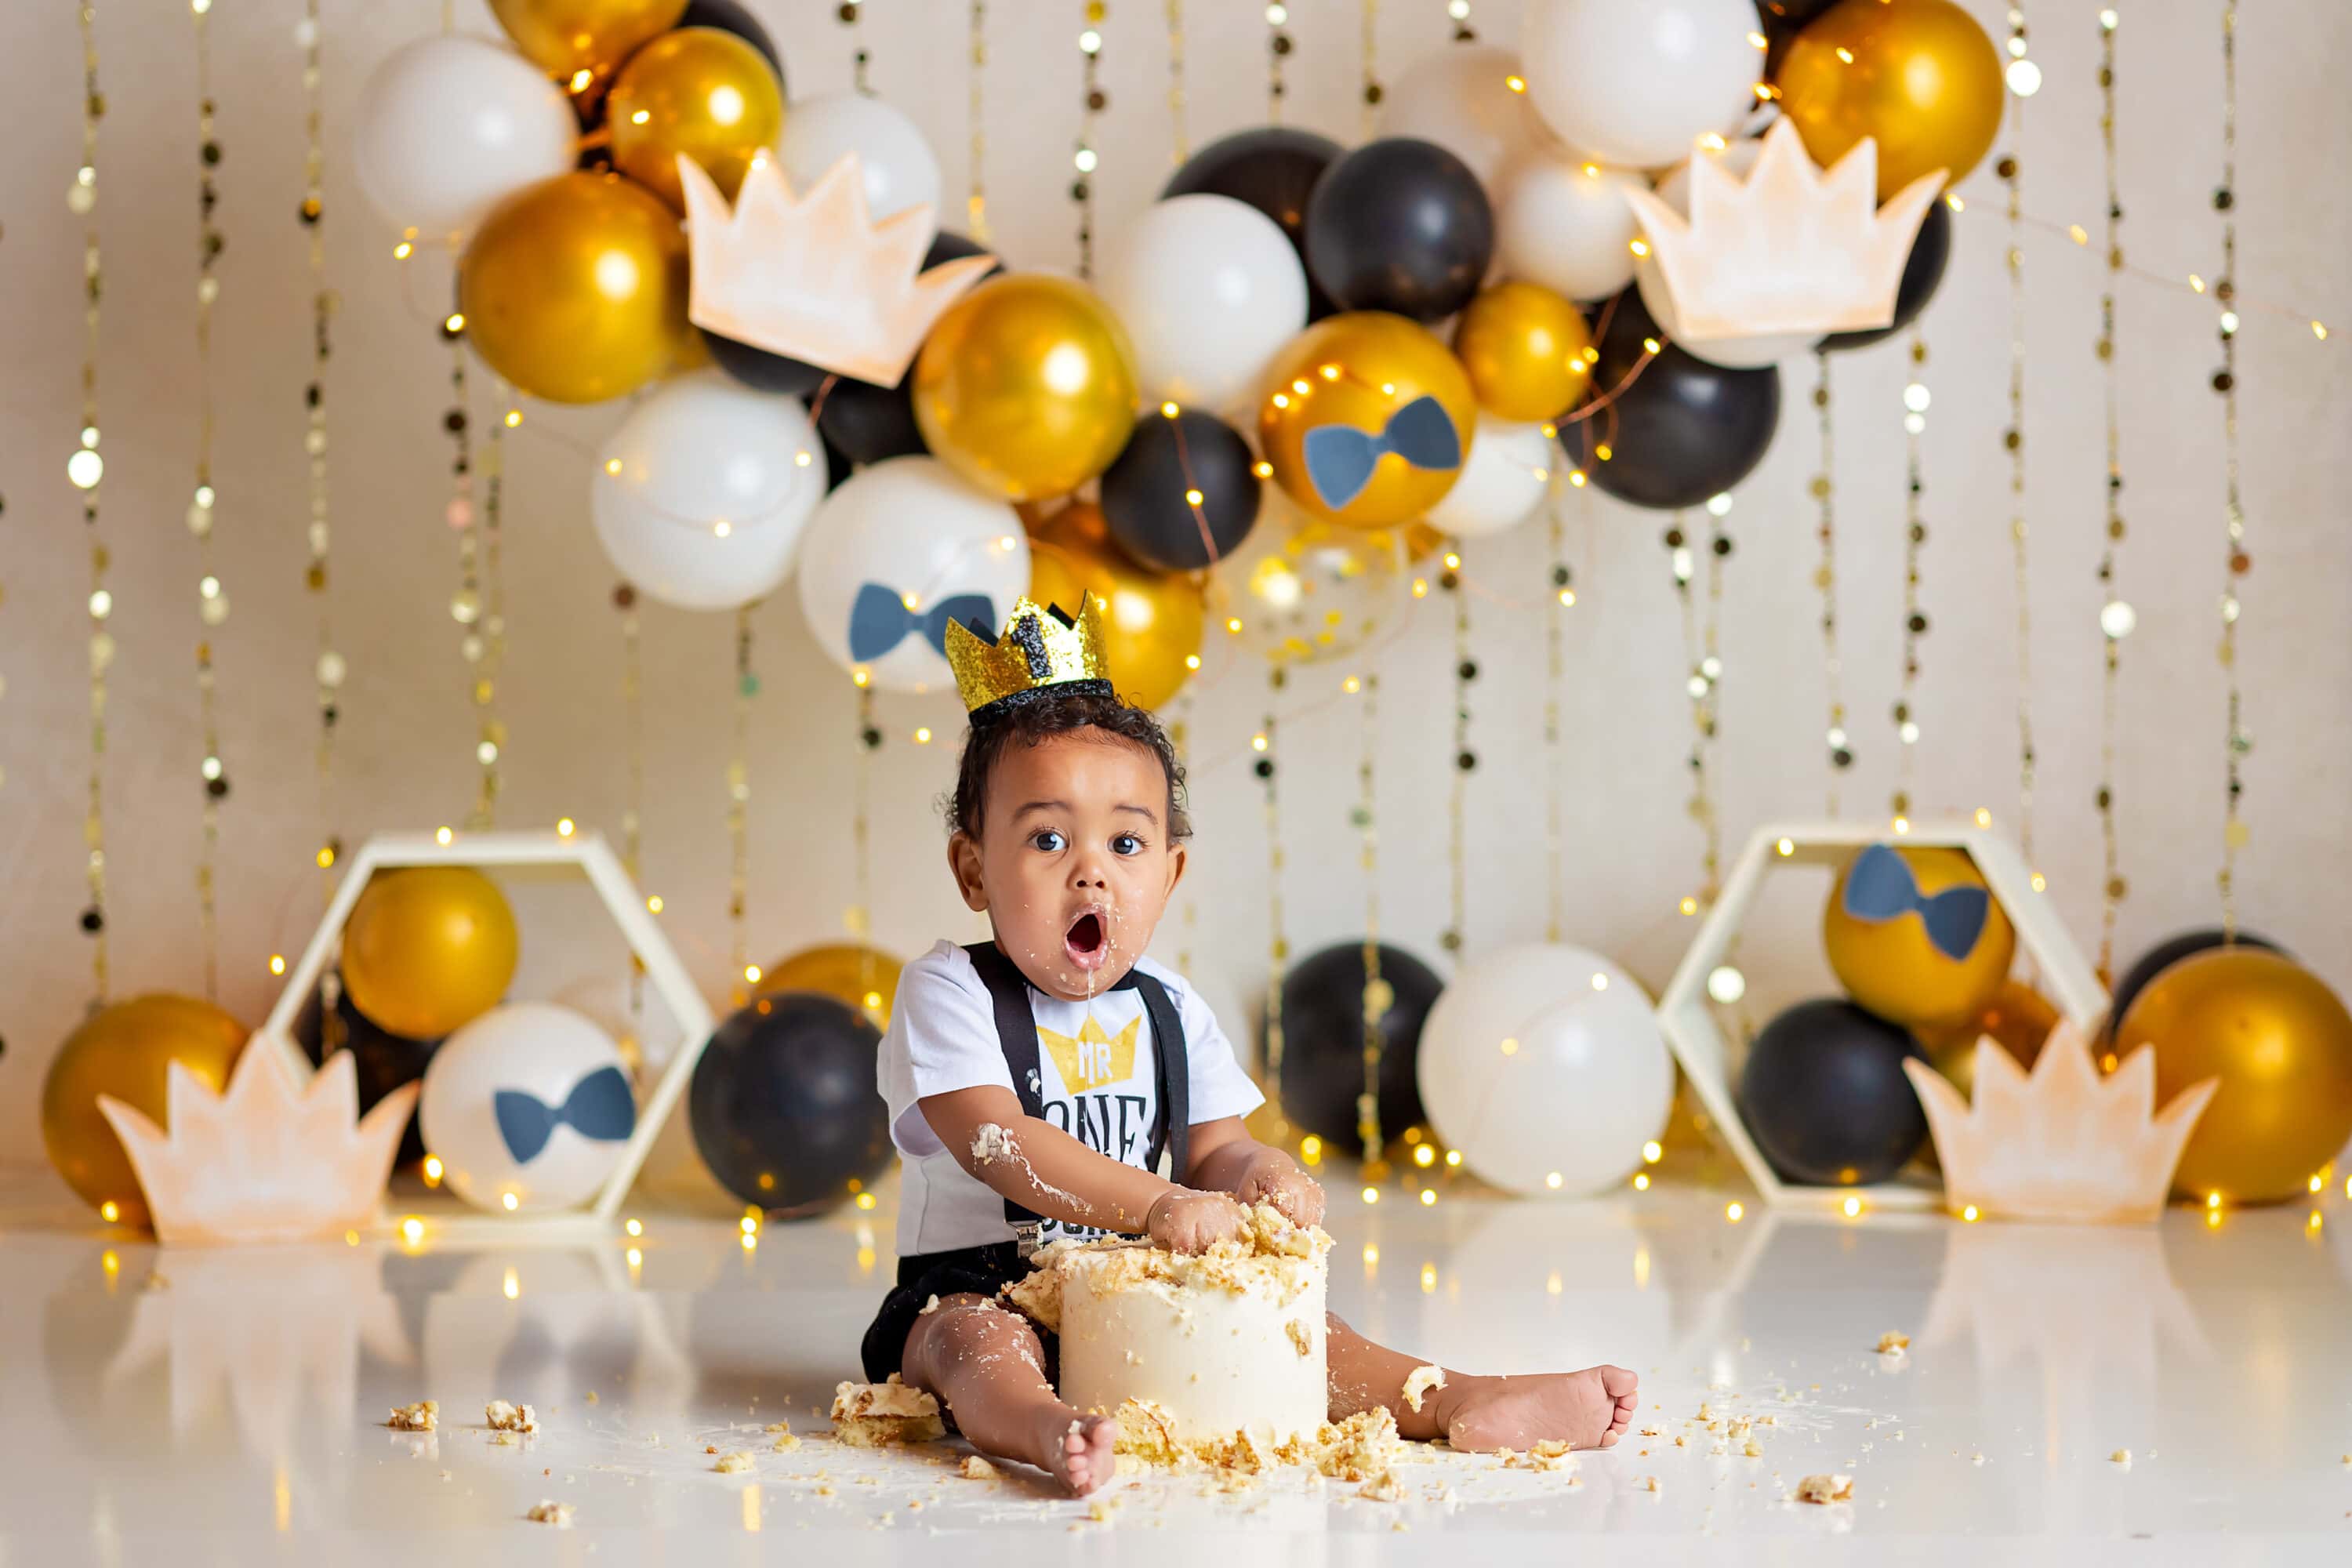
{"x":1588,"y":1409}
{"x":1076,"y":1451}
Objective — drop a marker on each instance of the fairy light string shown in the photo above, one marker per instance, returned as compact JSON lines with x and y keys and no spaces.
{"x":1916,"y":400}
{"x":328,"y":667}
{"x":1084,"y":158}
{"x":1380,"y":996}
{"x":975,"y":204}
{"x":2236,"y":742}
{"x":2115,"y":616}
{"x":1838,"y":748}
{"x":1459,"y":10}
{"x":1180,"y":137}
{"x":1277,"y":49}
{"x":85,"y":469}
{"x":2024,"y":78}
{"x":212,"y":599}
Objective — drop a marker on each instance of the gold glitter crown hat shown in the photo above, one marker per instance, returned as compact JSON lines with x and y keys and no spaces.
{"x":1042,"y":653}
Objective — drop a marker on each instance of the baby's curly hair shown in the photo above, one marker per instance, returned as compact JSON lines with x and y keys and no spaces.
{"x":1033,"y":721}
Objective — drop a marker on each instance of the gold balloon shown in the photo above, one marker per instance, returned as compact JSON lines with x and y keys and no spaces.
{"x":1890,"y":968}
{"x":1360,"y":370}
{"x":575,"y":288}
{"x":1919,"y":76}
{"x":1150,"y":621}
{"x":2018,"y":1019}
{"x":125,"y":1051}
{"x":1302,"y":589}
{"x":563,"y":38}
{"x":1026,"y":386}
{"x":427,"y":948}
{"x":2281,"y":1043}
{"x":1524,"y":348}
{"x":698,"y":92}
{"x":865,"y":977}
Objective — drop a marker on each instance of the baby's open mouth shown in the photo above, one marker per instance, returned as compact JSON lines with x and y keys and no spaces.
{"x":1087,"y":940}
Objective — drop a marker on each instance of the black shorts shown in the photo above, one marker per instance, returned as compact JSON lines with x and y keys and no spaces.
{"x":971,"y":1270}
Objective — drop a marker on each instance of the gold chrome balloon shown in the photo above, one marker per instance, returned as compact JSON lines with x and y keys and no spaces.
{"x":1919,"y":76}
{"x":1302,"y":589}
{"x":2018,"y":1019}
{"x":2281,"y":1043}
{"x":1026,"y":386}
{"x":1150,"y":621}
{"x":1891,"y":968}
{"x":125,"y":1050}
{"x":698,"y":92}
{"x":1524,"y":347}
{"x":563,"y":38}
{"x":429,"y":948}
{"x":1359,"y":370}
{"x":865,"y":977}
{"x":575,"y":288}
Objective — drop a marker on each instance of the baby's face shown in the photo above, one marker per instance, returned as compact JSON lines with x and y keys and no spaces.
{"x":1074,"y":863}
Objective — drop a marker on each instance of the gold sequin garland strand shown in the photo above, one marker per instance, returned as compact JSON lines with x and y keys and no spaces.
{"x":2114,"y":614}
{"x":1710,"y":669}
{"x":85,"y":469}
{"x":1180,"y":143}
{"x":2024,"y":78}
{"x":466,"y":603}
{"x":1564,"y":588}
{"x":2236,"y":741}
{"x":742,"y":973}
{"x":1465,"y":671}
{"x":1914,"y":620}
{"x":851,"y":15}
{"x":487,"y":649}
{"x":211,"y":601}
{"x":1373,"y":92}
{"x":1699,"y":686}
{"x":975,"y":204}
{"x":1378,"y":994}
{"x":1084,"y":157}
{"x":1837,"y":743}
{"x":1277,"y":944}
{"x":1277,"y":49}
{"x":633,"y":747}
{"x":329,"y":668}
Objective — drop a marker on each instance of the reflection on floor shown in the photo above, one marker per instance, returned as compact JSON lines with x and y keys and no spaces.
{"x":200,"y":1406}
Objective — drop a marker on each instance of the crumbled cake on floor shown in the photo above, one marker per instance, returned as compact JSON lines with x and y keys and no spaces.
{"x":976,"y":1468}
{"x":1892,"y":1343}
{"x":425,"y":1415}
{"x":876,"y":1414}
{"x":734,"y":1464}
{"x":505,"y":1417}
{"x":1824,"y":1489}
{"x":549,"y":1512}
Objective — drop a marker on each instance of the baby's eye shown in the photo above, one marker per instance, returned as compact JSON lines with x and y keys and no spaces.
{"x":1048,"y":839}
{"x":1127,"y":844}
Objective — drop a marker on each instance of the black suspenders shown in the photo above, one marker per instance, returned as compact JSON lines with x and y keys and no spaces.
{"x":1016,"y":1032}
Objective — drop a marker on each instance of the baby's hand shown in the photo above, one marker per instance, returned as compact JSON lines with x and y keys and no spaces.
{"x":1187,"y":1221}
{"x":1273,"y":1178}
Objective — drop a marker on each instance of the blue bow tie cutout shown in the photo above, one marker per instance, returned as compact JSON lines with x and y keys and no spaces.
{"x":879,"y":621}
{"x":1880,"y":888}
{"x":599,"y":1107}
{"x":1340,"y":459}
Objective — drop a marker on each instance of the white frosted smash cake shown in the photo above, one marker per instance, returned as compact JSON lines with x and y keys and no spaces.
{"x":1207,"y":1347}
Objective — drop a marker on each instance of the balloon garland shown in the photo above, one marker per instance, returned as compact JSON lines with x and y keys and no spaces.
{"x":2115,"y":614}
{"x":85,"y":469}
{"x":329,"y":668}
{"x":211,"y":600}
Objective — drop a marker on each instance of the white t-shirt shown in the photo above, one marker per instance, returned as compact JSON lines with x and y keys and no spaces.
{"x":1100,"y":1073}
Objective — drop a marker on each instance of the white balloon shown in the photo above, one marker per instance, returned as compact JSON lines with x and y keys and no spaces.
{"x":1208,"y":288}
{"x":701,"y":495}
{"x":448,"y":126}
{"x":1637,"y":84}
{"x":909,"y":527}
{"x":1563,"y":222}
{"x":900,"y":170}
{"x":535,"y":1049}
{"x":1737,"y":353}
{"x":1504,"y":479}
{"x":1543,"y":1064}
{"x":1462,"y":100}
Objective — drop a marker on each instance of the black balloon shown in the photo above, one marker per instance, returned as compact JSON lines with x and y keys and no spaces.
{"x":1825,"y":1099}
{"x":1323,"y":1040}
{"x":381,"y":1061}
{"x":867,"y":423}
{"x":728,"y":16}
{"x":759,"y":369}
{"x":1403,"y":226}
{"x":1680,"y":432}
{"x":783,"y":1105}
{"x":1931,"y":250}
{"x":1272,"y":168}
{"x":838,"y":466}
{"x":1143,"y":493}
{"x":2163,"y":956}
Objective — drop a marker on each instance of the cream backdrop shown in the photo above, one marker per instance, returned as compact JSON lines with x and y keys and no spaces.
{"x":406,"y":737}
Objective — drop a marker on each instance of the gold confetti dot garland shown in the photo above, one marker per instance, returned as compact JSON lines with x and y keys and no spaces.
{"x":1084,"y":157}
{"x":1277,"y":49}
{"x":1180,"y":143}
{"x":742,"y":976}
{"x":1373,"y":92}
{"x":2236,"y":742}
{"x":486,"y":650}
{"x":1458,"y":849}
{"x":975,"y":204}
{"x":212,"y":599}
{"x":85,"y":468}
{"x":633,"y":747}
{"x":329,"y":668}
{"x":2013,"y":440}
{"x":2114,"y":614}
{"x":1703,"y":667}
{"x":466,"y":603}
{"x":1378,"y":993}
{"x":1915,"y":619}
{"x":851,"y":15}
{"x":1838,"y":748}
{"x":1563,"y":599}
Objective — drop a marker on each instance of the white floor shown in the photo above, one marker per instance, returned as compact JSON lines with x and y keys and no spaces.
{"x":198,"y":1408}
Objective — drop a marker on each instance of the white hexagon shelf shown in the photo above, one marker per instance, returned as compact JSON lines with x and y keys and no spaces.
{"x":1697,"y":1040}
{"x":595,"y":859}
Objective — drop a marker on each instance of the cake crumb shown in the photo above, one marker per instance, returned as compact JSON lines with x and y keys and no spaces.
{"x":930,"y":1306}
{"x":505,"y":1417}
{"x":785,"y":1443}
{"x":991,"y":1143}
{"x":1892,"y":1343}
{"x":1419,"y":1382}
{"x":1824,"y":1489}
{"x":825,"y":1491}
{"x":1650,"y":1484}
{"x":1751,"y":1450}
{"x":876,"y":1414}
{"x":1976,"y":1459}
{"x":1100,"y":1510}
{"x":591,"y":1398}
{"x":423,"y":1417}
{"x":777,"y":1427}
{"x":1384,"y":1488}
{"x":2121,"y":1457}
{"x":976,"y":1468}
{"x":734,"y":1464}
{"x":1301,"y":1338}
{"x":505,"y":1439}
{"x":549,"y":1512}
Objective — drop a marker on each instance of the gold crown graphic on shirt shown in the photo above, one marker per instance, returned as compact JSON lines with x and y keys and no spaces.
{"x":1042,"y":650}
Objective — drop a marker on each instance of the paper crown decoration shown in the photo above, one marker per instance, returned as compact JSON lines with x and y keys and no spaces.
{"x":815,"y":278}
{"x":2062,"y":1143}
{"x":1789,"y":251}
{"x":271,"y":1160}
{"x":1043,"y":651}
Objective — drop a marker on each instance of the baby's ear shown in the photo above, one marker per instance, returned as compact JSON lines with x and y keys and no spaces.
{"x":963,"y":863}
